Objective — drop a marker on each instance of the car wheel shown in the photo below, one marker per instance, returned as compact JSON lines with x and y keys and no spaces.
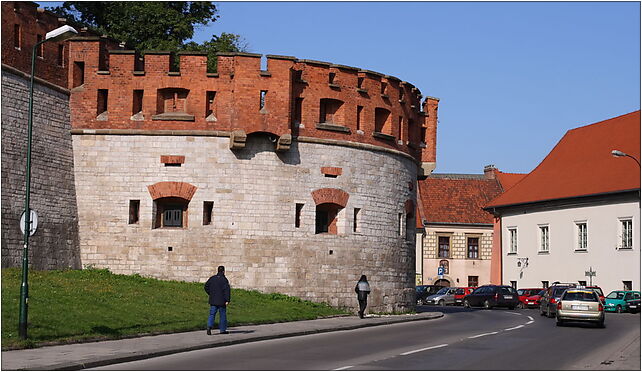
{"x":521,"y":305}
{"x":559,"y":322}
{"x":618,"y":309}
{"x":487,"y":305}
{"x":442,"y":302}
{"x":466,"y":304}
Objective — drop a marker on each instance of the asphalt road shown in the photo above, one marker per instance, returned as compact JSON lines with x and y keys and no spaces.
{"x":462,"y":340}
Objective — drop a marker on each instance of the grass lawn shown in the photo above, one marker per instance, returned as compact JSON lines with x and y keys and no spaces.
{"x":76,"y":305}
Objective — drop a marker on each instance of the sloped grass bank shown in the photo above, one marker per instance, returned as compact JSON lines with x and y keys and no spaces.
{"x":77,"y":305}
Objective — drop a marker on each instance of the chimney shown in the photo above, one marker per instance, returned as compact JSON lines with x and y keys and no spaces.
{"x":489,"y":172}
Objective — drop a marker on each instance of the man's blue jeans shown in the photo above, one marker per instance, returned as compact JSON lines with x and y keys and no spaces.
{"x":222,"y":324}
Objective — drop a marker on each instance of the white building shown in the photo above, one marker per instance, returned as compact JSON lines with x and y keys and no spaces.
{"x":577,"y":212}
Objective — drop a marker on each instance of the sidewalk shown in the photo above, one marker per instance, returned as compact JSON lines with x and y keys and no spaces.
{"x":94,"y":354}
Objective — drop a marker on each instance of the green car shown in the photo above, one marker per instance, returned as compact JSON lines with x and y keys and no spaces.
{"x":617,"y":300}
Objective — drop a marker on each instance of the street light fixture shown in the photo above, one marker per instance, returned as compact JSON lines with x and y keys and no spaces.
{"x":618,"y":154}
{"x":59,"y":34}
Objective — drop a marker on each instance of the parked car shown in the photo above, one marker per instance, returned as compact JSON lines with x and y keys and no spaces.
{"x":617,"y":300}
{"x":548,"y":302}
{"x":445,"y":296}
{"x":489,"y":296}
{"x":599,"y":292}
{"x":525,"y":293}
{"x":634,"y":306}
{"x":533,"y":301}
{"x":582,"y":305}
{"x":462,"y":292}
{"x":423,"y":291}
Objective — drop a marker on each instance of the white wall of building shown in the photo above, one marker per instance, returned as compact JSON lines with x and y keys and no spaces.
{"x":564,"y":262}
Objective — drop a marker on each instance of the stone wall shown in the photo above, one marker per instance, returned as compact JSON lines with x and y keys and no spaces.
{"x":53,"y":196}
{"x":255,"y":192}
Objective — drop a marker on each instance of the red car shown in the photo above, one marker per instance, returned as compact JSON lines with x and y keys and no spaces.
{"x":533,"y":301}
{"x":461,"y":292}
{"x":525,"y":293}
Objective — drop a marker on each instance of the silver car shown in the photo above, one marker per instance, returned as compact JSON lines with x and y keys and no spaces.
{"x":580,"y":305}
{"x":445,"y":296}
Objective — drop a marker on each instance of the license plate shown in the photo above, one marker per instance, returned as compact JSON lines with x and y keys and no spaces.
{"x":633,"y":306}
{"x":508,"y":297}
{"x":579,"y":307}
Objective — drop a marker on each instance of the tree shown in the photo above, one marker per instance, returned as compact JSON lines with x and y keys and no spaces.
{"x":152,"y":25}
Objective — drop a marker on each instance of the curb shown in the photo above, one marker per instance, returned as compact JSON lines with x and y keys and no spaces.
{"x":103,"y":361}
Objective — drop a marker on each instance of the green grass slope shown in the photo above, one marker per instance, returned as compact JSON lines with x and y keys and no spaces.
{"x":77,"y":305}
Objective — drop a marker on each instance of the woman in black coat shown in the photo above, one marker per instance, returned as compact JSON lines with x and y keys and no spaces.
{"x":362,"y":289}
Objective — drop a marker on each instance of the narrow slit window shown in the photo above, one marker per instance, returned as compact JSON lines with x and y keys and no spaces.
{"x":298,"y":107}
{"x":79,"y":74}
{"x":262,"y":99}
{"x":209,"y":102}
{"x":355,"y":223}
{"x":102,"y":101}
{"x":297,"y":216}
{"x":134,"y":211}
{"x":383,"y":87}
{"x":17,"y":36}
{"x":360,"y":83}
{"x":61,"y":55}
{"x":208,"y":207}
{"x":423,"y":135}
{"x":137,"y":104}
{"x":331,"y":77}
{"x":400,"y":224}
{"x":40,"y":51}
{"x":400,"y":128}
{"x":359,"y":116}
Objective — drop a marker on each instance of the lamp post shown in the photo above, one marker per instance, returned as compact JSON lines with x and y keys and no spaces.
{"x":59,"y":34}
{"x":618,"y":153}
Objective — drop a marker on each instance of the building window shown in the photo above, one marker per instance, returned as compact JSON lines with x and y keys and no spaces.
{"x":543,"y":239}
{"x":17,"y":36}
{"x":331,"y":77}
{"x":262,"y":99}
{"x":137,"y":102}
{"x":170,"y":212}
{"x":582,"y":236}
{"x":512,"y":249}
{"x":410,"y":226}
{"x":626,"y":233}
{"x":360,"y":82}
{"x":330,"y":111}
{"x":400,"y":128}
{"x":513,"y":283}
{"x":627,"y":285}
{"x":298,"y":110}
{"x":444,"y":247}
{"x":61,"y":55}
{"x":473,"y":281}
{"x":209,"y":104}
{"x":359,"y":116}
{"x":473,"y":248}
{"x":383,"y":87}
{"x":208,"y":208}
{"x":134,"y":211}
{"x":297,"y":215}
{"x":40,"y":51}
{"x":382,"y":121}
{"x":79,"y":74}
{"x":355,"y":223}
{"x":326,"y":218}
{"x":444,"y":264}
{"x":545,"y":284}
{"x":101,"y":105}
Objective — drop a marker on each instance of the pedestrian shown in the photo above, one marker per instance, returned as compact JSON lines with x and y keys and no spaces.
{"x":218,"y":288}
{"x":362,"y":289}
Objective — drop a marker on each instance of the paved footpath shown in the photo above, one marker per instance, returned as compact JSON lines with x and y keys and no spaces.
{"x":94,"y":354}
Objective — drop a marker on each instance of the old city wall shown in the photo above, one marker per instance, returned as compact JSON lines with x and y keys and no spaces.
{"x":253,"y":229}
{"x":55,"y":244}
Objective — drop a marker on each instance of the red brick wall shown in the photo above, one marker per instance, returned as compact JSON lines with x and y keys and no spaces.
{"x":238,"y":85}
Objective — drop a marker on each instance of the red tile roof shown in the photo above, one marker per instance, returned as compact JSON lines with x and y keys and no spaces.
{"x":581,"y":164}
{"x":508,"y":180}
{"x":452,"y":198}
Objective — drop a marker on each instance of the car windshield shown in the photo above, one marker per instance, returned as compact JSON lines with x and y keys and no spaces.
{"x":616,"y":295}
{"x":541,"y":293}
{"x":459,"y":291}
{"x":558,"y":292}
{"x":598,"y":291}
{"x":507,"y":290}
{"x":580,"y":296}
{"x":521,"y":292}
{"x":443,"y":291}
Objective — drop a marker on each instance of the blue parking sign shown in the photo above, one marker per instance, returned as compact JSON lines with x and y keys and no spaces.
{"x":440,"y":270}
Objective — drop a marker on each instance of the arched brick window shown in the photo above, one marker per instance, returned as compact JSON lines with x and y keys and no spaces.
{"x":331,"y":111}
{"x":329,"y":207}
{"x":171,"y":202}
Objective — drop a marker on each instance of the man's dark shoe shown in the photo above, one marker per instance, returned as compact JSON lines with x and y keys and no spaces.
{"x":209,"y":331}
{"x":224,"y":332}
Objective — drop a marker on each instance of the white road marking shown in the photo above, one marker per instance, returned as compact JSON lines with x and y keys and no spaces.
{"x":484,"y":334}
{"x":530,"y":321}
{"x":342,"y":368}
{"x":424,"y":349}
{"x":510,"y":329}
{"x":531,"y":318}
{"x":513,"y":313}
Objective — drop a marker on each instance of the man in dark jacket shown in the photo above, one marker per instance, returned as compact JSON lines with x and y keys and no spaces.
{"x":218,"y":288}
{"x":362,"y":289}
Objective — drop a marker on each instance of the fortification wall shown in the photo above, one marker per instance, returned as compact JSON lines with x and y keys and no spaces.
{"x":256,"y":194}
{"x":53,"y":196}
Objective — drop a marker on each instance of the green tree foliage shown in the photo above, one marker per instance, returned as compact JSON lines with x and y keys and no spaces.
{"x":152,"y":25}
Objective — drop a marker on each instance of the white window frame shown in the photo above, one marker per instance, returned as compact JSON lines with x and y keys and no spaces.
{"x":512,"y":240}
{"x":581,"y":239}
{"x":544,"y":239}
{"x":621,"y":242}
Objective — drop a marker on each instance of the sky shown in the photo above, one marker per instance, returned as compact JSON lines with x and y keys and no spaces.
{"x":512,"y":77}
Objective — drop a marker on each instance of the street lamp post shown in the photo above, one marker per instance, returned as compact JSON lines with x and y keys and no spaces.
{"x":59,"y":34}
{"x":618,"y":153}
